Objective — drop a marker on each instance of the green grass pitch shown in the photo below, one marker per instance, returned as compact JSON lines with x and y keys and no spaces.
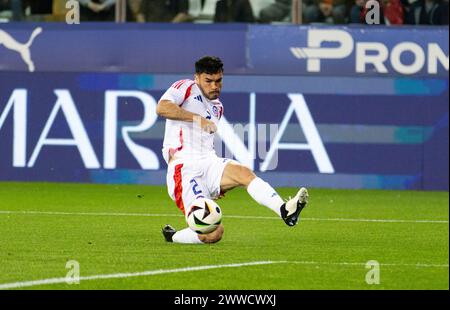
{"x":115,"y":230}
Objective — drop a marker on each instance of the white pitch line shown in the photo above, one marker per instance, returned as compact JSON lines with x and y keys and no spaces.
{"x":345,"y":219}
{"x":88,"y":213}
{"x":418,"y":265}
{"x":228,"y":216}
{"x":13,"y":285}
{"x":128,"y":275}
{"x":376,"y":220}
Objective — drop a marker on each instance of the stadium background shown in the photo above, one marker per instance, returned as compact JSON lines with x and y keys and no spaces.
{"x":380,"y":130}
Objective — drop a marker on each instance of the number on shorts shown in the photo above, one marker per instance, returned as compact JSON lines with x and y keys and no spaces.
{"x":194,"y":187}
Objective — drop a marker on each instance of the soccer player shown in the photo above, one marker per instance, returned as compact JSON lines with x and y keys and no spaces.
{"x":192,"y":110}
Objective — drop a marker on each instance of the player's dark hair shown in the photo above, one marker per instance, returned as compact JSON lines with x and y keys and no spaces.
{"x":209,"y":65}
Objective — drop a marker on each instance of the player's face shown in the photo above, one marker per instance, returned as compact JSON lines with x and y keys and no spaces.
{"x":210,"y":84}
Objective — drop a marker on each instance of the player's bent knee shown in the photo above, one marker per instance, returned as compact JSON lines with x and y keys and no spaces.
{"x":242,"y":174}
{"x":246,"y":176}
{"x":214,"y":236}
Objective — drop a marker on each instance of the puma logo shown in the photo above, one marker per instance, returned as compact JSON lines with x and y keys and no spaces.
{"x":23,"y":49}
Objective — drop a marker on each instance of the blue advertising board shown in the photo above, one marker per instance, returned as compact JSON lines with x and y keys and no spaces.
{"x":156,"y":48}
{"x":333,"y":128}
{"x":349,"y":51}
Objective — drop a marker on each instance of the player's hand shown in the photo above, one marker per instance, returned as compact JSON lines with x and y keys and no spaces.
{"x":208,"y":126}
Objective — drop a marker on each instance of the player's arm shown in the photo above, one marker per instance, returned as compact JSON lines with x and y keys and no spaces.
{"x":170,"y":110}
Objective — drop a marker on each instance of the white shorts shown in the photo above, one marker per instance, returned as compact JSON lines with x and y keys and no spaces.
{"x":190,"y":179}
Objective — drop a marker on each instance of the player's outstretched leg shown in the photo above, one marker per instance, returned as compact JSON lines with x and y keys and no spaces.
{"x":263,"y":193}
{"x":189,"y":236}
{"x":289,"y":211}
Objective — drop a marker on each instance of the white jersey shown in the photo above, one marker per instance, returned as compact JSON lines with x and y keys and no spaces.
{"x":186,"y":139}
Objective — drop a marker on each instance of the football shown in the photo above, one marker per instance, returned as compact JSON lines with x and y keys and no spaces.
{"x":204,"y":216}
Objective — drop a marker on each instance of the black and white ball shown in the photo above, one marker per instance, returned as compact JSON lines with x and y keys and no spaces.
{"x":204,"y":216}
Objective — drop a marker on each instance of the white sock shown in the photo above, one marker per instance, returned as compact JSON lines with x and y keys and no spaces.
{"x":186,"y":235}
{"x":265,"y":195}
